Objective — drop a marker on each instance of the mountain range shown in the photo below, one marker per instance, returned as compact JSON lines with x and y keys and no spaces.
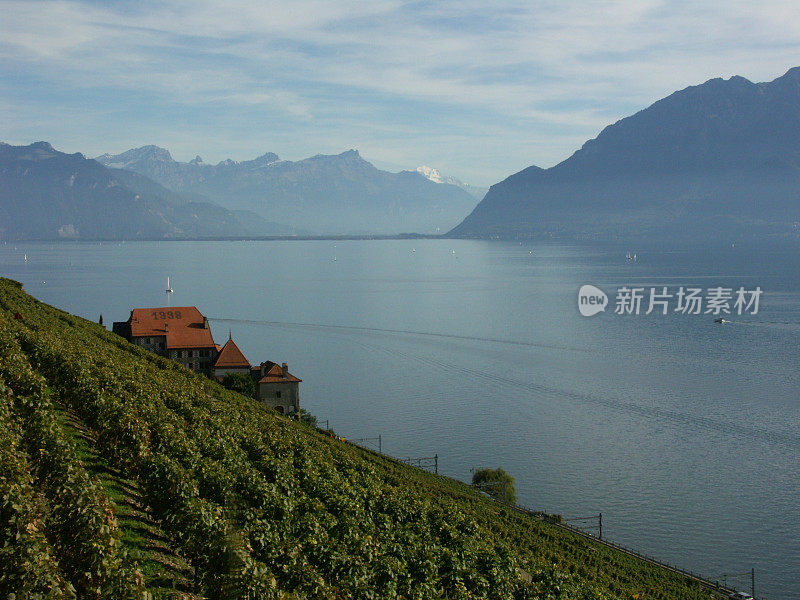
{"x":46,"y":194}
{"x":325,"y":194}
{"x":719,"y":160}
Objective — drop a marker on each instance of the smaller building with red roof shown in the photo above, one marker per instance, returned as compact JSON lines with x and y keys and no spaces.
{"x":231,"y":360}
{"x":277,"y":387}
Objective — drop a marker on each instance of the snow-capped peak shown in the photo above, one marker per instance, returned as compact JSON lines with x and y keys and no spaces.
{"x":431,"y":173}
{"x":435,"y":176}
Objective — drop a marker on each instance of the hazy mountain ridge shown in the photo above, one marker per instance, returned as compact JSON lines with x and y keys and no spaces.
{"x":326,"y":194}
{"x":718,"y":159}
{"x":46,"y":194}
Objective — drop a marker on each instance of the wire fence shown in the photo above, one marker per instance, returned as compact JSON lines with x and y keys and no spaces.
{"x":718,"y":586}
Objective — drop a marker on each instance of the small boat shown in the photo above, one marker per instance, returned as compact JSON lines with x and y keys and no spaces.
{"x":169,"y":289}
{"x":719,"y":320}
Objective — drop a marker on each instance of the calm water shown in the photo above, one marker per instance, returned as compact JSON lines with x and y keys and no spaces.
{"x":684,"y":433}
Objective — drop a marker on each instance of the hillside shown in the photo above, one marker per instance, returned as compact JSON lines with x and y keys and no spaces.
{"x":717,"y":160}
{"x":324,"y":194}
{"x":123,"y":474}
{"x":46,"y":194}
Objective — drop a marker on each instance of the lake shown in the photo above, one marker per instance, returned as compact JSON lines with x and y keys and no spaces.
{"x":683,"y":432}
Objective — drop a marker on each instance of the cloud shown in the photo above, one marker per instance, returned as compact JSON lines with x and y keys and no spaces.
{"x":545,"y":75}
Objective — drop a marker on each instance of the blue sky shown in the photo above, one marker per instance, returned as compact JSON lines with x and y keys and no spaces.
{"x":478,"y":90}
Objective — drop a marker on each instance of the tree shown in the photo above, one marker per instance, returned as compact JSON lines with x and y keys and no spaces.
{"x":497,"y":483}
{"x":307,"y":417}
{"x":239,"y":382}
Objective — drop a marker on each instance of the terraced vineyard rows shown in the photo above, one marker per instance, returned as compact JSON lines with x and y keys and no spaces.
{"x":259,"y":506}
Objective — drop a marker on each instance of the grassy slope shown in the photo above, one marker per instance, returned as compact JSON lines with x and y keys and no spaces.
{"x":216,"y":494}
{"x":167,"y":574}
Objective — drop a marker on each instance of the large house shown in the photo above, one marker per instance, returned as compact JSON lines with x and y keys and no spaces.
{"x":183,"y":334}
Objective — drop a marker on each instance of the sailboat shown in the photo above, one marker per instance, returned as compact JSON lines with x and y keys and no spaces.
{"x":169,"y":289}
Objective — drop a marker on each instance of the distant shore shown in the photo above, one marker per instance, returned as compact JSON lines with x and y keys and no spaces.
{"x":666,"y":243}
{"x":244,"y":238}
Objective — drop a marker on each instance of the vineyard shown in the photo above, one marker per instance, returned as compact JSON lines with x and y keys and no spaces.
{"x":124,"y":475}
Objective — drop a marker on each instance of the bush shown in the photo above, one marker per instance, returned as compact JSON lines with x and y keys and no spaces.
{"x":239,"y":382}
{"x":497,"y":483}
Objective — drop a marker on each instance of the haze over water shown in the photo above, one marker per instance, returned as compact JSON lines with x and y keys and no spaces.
{"x":684,"y":433}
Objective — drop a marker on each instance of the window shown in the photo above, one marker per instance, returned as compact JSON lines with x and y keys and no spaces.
{"x":277,"y":394}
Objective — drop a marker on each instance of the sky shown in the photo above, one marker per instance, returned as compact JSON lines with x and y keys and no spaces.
{"x":476,"y":89}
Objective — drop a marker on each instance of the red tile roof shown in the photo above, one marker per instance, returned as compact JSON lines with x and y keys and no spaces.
{"x":231,"y":357}
{"x":183,"y":326}
{"x":275,"y":375}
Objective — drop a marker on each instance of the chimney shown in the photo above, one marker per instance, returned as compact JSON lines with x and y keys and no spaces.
{"x":205,"y":322}
{"x":284,"y":370}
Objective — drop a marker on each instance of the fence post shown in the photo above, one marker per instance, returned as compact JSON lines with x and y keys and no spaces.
{"x":436,"y":463}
